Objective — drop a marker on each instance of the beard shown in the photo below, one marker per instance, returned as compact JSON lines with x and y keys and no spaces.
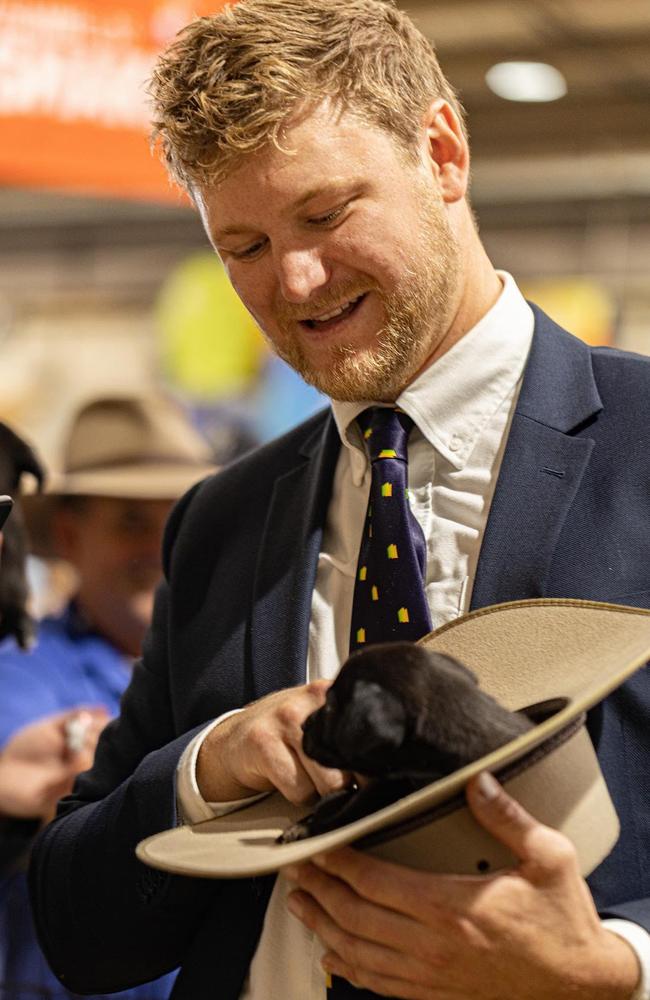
{"x":418,"y":313}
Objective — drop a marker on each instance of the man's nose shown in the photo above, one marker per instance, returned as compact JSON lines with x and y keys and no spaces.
{"x":301,"y":273}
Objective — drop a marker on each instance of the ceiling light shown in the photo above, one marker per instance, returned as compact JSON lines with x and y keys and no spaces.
{"x":526,"y":81}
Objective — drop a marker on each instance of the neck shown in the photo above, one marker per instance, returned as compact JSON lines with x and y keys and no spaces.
{"x":478,"y":290}
{"x":123,"y":625}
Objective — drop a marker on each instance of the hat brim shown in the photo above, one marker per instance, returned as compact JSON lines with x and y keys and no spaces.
{"x":155,"y":481}
{"x":523,"y":652}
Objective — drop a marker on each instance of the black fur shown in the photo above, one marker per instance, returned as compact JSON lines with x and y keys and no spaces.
{"x":402,"y":716}
{"x":16,"y":458}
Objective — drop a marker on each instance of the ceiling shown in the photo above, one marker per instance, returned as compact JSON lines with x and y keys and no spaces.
{"x":601,"y":47}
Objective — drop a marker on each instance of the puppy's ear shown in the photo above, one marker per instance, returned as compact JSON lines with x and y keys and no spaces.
{"x":372,"y":726}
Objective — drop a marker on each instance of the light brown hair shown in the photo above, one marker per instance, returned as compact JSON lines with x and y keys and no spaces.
{"x":230,"y":82}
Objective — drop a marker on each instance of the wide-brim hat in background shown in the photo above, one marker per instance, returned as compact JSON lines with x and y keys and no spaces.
{"x":131,"y":447}
{"x":560,"y":656}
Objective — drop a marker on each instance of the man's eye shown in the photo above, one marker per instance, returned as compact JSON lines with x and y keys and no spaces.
{"x":250,"y":252}
{"x":329,"y":217}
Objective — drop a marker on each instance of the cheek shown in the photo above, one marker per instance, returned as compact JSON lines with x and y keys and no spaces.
{"x":252,"y":285}
{"x":378,"y":248}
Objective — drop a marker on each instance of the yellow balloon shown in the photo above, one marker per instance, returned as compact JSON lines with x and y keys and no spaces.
{"x":210,"y":346}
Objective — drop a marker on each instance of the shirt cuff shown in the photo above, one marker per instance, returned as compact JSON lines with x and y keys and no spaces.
{"x":639,"y":940}
{"x":192,"y":807}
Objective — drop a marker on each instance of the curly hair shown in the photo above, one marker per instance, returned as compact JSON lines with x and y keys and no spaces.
{"x":229,"y":83}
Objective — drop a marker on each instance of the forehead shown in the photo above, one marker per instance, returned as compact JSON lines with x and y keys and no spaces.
{"x":322,"y":150}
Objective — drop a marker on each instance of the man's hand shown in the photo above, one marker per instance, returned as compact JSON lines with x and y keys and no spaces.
{"x":260,"y":748}
{"x":531,"y":933}
{"x":38,"y":765}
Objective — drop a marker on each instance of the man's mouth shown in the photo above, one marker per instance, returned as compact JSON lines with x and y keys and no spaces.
{"x":329,"y":319}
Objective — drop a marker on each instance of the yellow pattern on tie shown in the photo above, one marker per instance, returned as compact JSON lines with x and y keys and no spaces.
{"x":375,"y":594}
{"x":387,"y":490}
{"x":403,"y":615}
{"x":363,"y":573}
{"x":387,"y":453}
{"x":392,"y":552}
{"x":361,"y":635}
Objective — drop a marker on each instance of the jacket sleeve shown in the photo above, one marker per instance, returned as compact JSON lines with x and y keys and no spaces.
{"x":105,"y":920}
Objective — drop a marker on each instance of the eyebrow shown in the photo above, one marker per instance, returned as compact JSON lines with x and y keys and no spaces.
{"x":230,"y":231}
{"x":323,"y":190}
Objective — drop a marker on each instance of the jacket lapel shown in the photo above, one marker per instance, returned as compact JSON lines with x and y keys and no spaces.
{"x":546,"y":455}
{"x":287,"y":564}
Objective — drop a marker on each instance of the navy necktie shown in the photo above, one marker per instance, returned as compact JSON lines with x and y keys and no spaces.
{"x":389,"y":600}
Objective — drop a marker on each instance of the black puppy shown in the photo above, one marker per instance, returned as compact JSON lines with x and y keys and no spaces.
{"x":402,"y":716}
{"x":16,"y":458}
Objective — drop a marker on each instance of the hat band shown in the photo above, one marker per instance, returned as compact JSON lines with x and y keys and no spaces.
{"x":504,"y":774}
{"x":123,"y":462}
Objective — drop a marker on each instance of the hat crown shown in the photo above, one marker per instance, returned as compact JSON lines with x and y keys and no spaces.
{"x":112,"y":432}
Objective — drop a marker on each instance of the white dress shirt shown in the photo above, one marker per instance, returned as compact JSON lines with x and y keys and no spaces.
{"x":462,"y":407}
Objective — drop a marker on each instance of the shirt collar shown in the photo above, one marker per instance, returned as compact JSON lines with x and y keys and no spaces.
{"x":452,"y":400}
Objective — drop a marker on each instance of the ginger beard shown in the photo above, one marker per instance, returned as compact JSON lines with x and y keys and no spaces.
{"x":418,"y":313}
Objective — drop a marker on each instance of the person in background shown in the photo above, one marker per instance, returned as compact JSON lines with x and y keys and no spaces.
{"x":37,"y":767}
{"x":126,"y":461}
{"x":329,"y":161}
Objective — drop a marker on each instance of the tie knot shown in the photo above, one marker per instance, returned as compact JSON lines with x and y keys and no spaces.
{"x":386,"y":432}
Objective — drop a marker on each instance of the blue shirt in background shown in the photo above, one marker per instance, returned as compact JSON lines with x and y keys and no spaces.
{"x":69,"y":665}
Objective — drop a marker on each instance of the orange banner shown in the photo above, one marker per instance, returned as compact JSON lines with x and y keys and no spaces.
{"x":73,"y":105}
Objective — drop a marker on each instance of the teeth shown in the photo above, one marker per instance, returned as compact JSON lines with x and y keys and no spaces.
{"x":333,"y":313}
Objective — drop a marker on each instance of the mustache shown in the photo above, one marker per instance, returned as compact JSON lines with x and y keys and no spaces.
{"x":288,"y":312}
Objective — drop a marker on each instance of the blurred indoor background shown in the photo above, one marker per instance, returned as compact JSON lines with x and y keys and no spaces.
{"x":106,"y":278}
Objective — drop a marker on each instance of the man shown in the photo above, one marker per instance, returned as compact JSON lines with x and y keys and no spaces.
{"x":327,"y":157}
{"x":126,"y":460}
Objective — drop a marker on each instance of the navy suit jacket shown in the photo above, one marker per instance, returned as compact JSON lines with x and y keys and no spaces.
{"x":570,"y":517}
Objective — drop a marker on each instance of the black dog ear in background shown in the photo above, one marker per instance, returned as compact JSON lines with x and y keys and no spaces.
{"x":399,"y":716}
{"x":17,"y":458}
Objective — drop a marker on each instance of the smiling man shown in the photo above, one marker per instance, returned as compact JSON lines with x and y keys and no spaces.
{"x":356,"y":317}
{"x":327,"y":156}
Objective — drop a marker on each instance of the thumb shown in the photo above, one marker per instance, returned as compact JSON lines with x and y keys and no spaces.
{"x":508,"y":822}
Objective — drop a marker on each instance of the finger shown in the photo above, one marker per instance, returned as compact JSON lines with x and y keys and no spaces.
{"x":97,"y":712}
{"x":362,"y":962}
{"x":528,"y":839}
{"x":353,"y":913}
{"x":325,"y":779}
{"x":392,"y":886}
{"x":82,"y":761}
{"x":286,"y":773}
{"x":78,"y":729}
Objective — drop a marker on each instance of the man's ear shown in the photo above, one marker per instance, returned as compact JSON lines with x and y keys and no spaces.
{"x":445,"y":150}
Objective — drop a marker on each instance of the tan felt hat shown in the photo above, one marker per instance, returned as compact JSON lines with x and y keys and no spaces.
{"x":562,"y":656}
{"x":131,"y":447}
